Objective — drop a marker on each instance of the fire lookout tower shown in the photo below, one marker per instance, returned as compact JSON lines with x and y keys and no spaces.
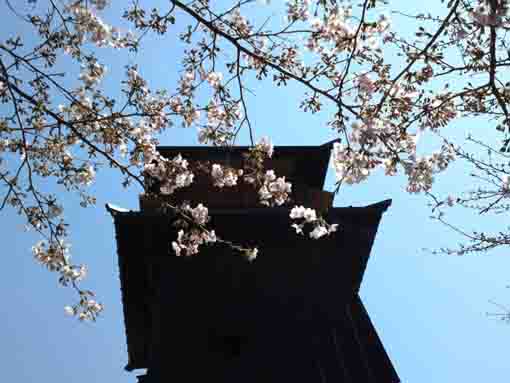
{"x":292,"y":315}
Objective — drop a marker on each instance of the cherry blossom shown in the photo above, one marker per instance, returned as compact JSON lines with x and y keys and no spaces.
{"x":225,"y":177}
{"x":214,"y":79}
{"x":298,"y":10}
{"x":506,"y":183}
{"x":365,"y":85}
{"x":172,"y":174}
{"x":307,"y":217}
{"x":188,"y":243}
{"x":251,"y":254}
{"x":377,"y":87}
{"x":274,"y":190}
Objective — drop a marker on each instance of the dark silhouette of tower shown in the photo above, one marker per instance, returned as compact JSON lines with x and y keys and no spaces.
{"x":292,"y":315}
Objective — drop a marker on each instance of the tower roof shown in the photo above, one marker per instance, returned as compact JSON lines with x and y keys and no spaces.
{"x":305,"y":165}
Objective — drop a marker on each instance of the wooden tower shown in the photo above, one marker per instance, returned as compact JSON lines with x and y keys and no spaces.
{"x":292,"y":315}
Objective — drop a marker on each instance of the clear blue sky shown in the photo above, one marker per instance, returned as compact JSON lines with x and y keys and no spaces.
{"x":429,"y":310}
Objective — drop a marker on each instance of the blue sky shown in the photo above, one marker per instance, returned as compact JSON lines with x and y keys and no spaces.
{"x":429,"y":310}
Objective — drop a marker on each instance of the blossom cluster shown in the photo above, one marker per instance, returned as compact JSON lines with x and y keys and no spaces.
{"x":55,"y":256}
{"x":365,"y":85}
{"x":75,"y":274}
{"x":307,"y":217}
{"x":200,"y":213}
{"x":251,"y":254}
{"x":89,"y":26}
{"x":186,"y":83}
{"x":336,"y":30}
{"x":221,"y":119}
{"x":137,"y":85}
{"x":420,"y":172}
{"x":193,"y":234}
{"x":225,"y":176}
{"x":298,"y":10}
{"x":92,"y":73}
{"x":188,"y":241}
{"x":87,"y":309}
{"x":240,"y":24}
{"x":505,"y":184}
{"x":214,"y":79}
{"x":171,"y":173}
{"x":274,"y":190}
{"x":264,"y":146}
{"x":85,"y":175}
{"x":351,"y":166}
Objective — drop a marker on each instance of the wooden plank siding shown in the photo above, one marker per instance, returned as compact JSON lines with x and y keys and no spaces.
{"x":292,"y":315}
